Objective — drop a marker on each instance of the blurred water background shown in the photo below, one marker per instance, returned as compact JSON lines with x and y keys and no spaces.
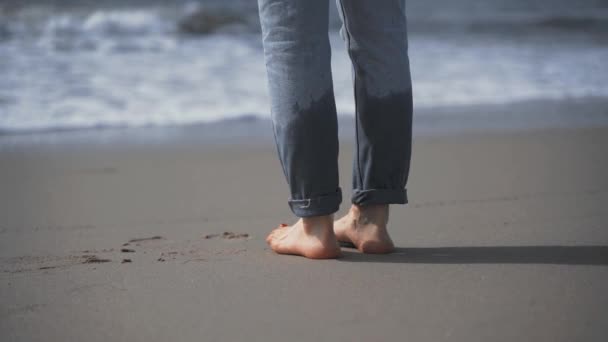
{"x":68,"y":64}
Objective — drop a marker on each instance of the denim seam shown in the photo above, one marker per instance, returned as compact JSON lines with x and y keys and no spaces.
{"x":381,"y":193}
{"x":369,"y":190}
{"x":276,"y":141}
{"x":307,"y":204}
{"x":348,"y":44}
{"x":322,"y":204}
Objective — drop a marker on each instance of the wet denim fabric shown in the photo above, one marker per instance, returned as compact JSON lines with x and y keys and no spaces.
{"x":297,"y":54}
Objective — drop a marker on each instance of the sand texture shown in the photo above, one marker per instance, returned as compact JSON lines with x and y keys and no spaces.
{"x":505,"y":239}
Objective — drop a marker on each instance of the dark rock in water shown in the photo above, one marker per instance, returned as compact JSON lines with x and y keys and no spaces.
{"x":205,"y":21}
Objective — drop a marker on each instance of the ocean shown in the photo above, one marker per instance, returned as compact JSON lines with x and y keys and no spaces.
{"x":68,"y":65}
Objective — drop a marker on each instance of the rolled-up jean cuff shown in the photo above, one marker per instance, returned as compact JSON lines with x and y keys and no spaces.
{"x":317,"y":206}
{"x":379,"y":196}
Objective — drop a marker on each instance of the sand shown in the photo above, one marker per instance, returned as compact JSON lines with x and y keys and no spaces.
{"x":505,"y":239}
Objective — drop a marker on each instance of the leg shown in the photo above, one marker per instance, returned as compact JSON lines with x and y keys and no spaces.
{"x":303,"y":111}
{"x":297,"y":55}
{"x":376,"y":37}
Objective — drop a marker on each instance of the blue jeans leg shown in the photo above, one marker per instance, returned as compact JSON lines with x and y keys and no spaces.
{"x":376,"y":37}
{"x":303,"y":111}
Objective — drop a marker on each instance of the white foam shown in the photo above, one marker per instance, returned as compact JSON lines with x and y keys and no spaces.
{"x":154,"y":77}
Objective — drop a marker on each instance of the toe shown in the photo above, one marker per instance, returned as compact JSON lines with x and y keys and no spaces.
{"x":271,"y":236}
{"x":277,"y":232}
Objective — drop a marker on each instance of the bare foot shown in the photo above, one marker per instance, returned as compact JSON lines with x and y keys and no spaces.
{"x":365,"y":227}
{"x":312,"y":237}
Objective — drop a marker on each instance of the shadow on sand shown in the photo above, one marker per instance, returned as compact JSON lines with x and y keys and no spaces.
{"x":559,"y":255}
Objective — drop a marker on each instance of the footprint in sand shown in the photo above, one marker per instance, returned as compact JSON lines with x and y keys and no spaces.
{"x":228,"y":236}
{"x":32,"y":263}
{"x":139,"y":240}
{"x":93,"y":259}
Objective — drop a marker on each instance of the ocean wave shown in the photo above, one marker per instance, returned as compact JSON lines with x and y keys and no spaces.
{"x":39,"y":22}
{"x":195,"y":19}
{"x":122,"y":30}
{"x":156,"y":66}
{"x":204,"y":21}
{"x":101,"y":22}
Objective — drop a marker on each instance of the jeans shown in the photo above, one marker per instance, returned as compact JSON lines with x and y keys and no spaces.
{"x":297,"y":55}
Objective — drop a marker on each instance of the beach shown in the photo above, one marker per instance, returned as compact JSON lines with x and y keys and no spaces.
{"x":504,"y":239}
{"x":139,"y":178}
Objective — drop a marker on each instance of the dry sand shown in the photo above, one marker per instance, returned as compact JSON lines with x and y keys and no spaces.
{"x":505,"y":239}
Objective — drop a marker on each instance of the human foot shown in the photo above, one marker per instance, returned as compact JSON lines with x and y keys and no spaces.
{"x":311,"y":237}
{"x":365,"y":227}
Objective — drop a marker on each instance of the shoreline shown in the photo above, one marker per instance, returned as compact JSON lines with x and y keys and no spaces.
{"x":438,"y":121}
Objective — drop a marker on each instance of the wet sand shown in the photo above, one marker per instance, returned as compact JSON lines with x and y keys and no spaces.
{"x":505,"y":239}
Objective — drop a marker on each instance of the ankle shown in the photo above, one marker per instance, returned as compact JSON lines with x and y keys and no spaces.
{"x":318,"y":224}
{"x":376,"y":213}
